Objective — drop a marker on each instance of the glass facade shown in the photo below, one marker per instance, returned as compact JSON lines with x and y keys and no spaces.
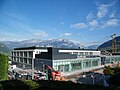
{"x":110,"y":59}
{"x":76,"y":64}
{"x":82,"y":63}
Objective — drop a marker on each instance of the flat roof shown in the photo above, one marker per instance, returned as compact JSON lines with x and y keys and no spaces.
{"x":35,"y":47}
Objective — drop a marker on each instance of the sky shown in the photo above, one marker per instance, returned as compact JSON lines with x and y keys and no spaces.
{"x":86,"y":21}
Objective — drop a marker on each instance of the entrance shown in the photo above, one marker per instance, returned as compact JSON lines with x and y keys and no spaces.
{"x":63,"y":68}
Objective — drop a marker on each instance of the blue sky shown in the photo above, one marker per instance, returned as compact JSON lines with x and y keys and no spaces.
{"x":85,"y":21}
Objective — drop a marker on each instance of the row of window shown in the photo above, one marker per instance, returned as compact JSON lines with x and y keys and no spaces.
{"x":110,"y":60}
{"x":84,"y":53}
{"x":22,"y":60}
{"x":23,"y":54}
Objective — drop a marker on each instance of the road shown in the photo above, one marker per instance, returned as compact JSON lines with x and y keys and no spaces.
{"x":95,"y":77}
{"x":91,"y":78}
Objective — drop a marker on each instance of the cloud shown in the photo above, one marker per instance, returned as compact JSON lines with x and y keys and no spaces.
{"x":112,"y":15}
{"x":40,"y":33}
{"x":104,"y":17}
{"x":78,"y":25}
{"x":90,"y":16}
{"x":111,"y":23}
{"x":93,"y":24}
{"x":102,"y":10}
{"x":65,"y":34}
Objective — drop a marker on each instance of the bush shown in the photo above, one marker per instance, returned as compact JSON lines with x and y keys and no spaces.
{"x":32,"y":84}
{"x":3,"y":67}
{"x":47,"y":85}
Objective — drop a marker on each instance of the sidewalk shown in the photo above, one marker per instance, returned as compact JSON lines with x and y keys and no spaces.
{"x":81,"y":71}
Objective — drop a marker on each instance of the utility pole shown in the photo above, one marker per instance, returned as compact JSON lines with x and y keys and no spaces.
{"x":32,"y":68}
{"x":113,"y":43}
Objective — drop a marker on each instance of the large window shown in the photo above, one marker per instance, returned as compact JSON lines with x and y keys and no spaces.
{"x":88,"y":64}
{"x":66,"y":68}
{"x":95,"y":63}
{"x":63,"y":68}
{"x":76,"y":65}
{"x":107,"y":61}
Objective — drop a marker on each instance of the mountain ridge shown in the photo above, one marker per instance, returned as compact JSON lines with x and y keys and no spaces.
{"x":3,"y":48}
{"x":108,"y":45}
{"x":61,"y":43}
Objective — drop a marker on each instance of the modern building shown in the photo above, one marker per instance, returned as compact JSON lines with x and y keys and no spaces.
{"x":61,"y":59}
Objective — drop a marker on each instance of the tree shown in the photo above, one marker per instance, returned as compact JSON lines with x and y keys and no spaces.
{"x":3,"y":67}
{"x":108,"y":70}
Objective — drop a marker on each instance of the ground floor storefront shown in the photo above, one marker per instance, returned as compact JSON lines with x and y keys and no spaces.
{"x":76,"y":64}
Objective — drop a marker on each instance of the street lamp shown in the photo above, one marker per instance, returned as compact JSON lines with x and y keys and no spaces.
{"x":93,"y":79}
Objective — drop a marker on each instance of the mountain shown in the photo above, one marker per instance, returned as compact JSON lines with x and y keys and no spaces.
{"x":108,"y":45}
{"x":61,"y":43}
{"x":3,"y":48}
{"x":93,"y":47}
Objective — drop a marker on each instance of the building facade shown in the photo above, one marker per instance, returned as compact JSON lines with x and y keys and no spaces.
{"x":64,"y":60}
{"x":61,"y":59}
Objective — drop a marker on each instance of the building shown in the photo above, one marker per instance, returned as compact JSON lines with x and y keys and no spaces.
{"x":64,"y":60}
{"x":23,"y":57}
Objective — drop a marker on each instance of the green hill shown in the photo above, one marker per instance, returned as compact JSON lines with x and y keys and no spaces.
{"x":108,"y":45}
{"x":3,"y":48}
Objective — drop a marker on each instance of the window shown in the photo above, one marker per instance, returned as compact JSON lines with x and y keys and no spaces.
{"x":81,"y":53}
{"x":95,"y":63}
{"x":21,"y":59}
{"x":88,"y":63}
{"x":30,"y":54}
{"x":21,"y":54}
{"x":91,"y":53}
{"x":30,"y":61}
{"x":14,"y":53}
{"x":25,"y":54}
{"x":75,"y":52}
{"x":17,"y":59}
{"x":76,"y":65}
{"x":18,"y":54}
{"x":86,"y":53}
{"x":25,"y":60}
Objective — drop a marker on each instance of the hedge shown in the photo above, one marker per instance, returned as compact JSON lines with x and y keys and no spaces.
{"x":3,"y":67}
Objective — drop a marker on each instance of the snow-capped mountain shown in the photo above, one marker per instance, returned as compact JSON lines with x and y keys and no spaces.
{"x":62,"y":43}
